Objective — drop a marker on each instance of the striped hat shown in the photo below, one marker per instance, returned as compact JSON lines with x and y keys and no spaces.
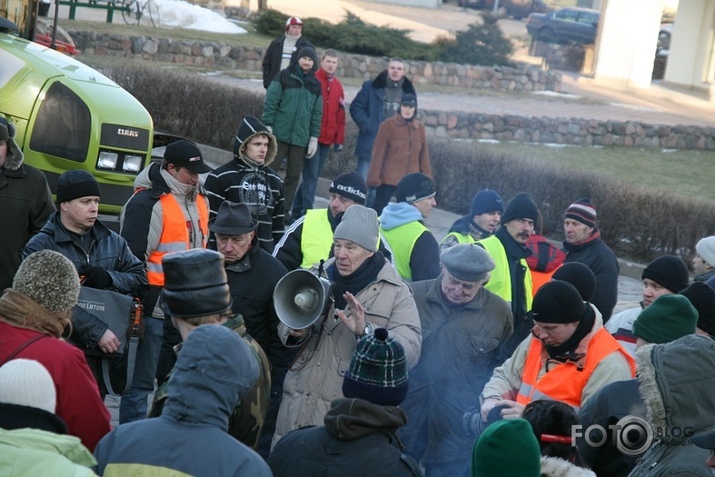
{"x":378,"y":370}
{"x":583,"y":211}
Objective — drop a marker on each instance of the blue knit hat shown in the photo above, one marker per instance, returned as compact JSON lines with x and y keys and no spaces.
{"x":485,"y":201}
{"x":378,"y":370}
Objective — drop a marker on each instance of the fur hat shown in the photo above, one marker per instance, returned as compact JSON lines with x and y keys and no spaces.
{"x":76,"y":183}
{"x":521,"y":206}
{"x":360,"y":226}
{"x":14,"y":157}
{"x":351,"y":186}
{"x":249,"y":128}
{"x":668,"y":271}
{"x":25,"y":382}
{"x":582,"y":211}
{"x":703,"y":299}
{"x":578,"y":275}
{"x":668,"y":318}
{"x":293,"y":21}
{"x":195,"y":284}
{"x":378,"y":370}
{"x":468,"y":262}
{"x":507,"y":448}
{"x":558,"y":302}
{"x":706,"y":249}
{"x":485,"y":201}
{"x":49,"y":279}
{"x":414,"y":187}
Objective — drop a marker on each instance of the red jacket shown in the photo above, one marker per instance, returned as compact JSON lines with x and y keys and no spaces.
{"x":332,"y":127}
{"x":78,"y":402}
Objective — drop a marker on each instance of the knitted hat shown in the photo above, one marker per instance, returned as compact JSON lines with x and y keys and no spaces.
{"x":248,"y":128}
{"x":185,"y":153}
{"x":26,"y":382}
{"x":703,"y":299}
{"x":582,"y":211}
{"x":76,"y":183}
{"x":378,"y":370}
{"x":414,"y":187}
{"x":558,"y":302}
{"x":578,"y":275}
{"x":360,"y":226}
{"x":522,"y":206}
{"x":668,"y":271}
{"x":409,"y":99}
{"x":706,"y":249}
{"x":668,"y":318}
{"x":195,"y":284}
{"x":307,"y":51}
{"x":49,"y":279}
{"x":507,"y":448}
{"x":485,"y":201}
{"x":293,"y":21}
{"x":351,"y":186}
{"x":468,"y":262}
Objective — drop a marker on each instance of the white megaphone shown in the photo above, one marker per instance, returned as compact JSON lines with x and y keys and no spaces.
{"x":300,"y":298}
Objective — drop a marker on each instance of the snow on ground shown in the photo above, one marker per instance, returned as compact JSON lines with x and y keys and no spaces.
{"x":177,"y":13}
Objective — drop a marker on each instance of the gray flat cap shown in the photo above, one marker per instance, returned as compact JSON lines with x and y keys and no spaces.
{"x":468,"y":262}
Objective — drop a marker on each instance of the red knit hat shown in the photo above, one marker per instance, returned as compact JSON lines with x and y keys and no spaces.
{"x":293,"y":21}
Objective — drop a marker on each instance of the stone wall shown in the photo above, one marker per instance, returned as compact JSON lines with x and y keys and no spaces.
{"x":521,"y":78}
{"x":566,"y":131}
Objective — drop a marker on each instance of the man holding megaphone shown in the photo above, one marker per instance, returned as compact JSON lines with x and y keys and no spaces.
{"x":325,"y":317}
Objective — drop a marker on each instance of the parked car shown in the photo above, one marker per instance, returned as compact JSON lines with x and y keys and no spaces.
{"x":509,"y":8}
{"x":570,"y":24}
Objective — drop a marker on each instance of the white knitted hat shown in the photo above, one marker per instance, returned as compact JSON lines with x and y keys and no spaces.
{"x":25,"y":382}
{"x":706,"y":250}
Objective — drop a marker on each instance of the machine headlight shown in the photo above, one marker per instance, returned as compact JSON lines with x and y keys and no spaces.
{"x":132,"y":163}
{"x":107,"y":160}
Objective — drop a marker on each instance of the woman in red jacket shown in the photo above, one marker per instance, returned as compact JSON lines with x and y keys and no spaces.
{"x":400,"y":148}
{"x":33,"y":316}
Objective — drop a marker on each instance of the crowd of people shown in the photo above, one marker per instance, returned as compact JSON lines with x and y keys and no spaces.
{"x":478,"y":355}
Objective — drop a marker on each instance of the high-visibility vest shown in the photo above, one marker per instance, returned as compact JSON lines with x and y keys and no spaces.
{"x":402,"y":240}
{"x":565,"y":381}
{"x":500,"y":281}
{"x":317,"y":237}
{"x":174,"y":234}
{"x":461,"y":238}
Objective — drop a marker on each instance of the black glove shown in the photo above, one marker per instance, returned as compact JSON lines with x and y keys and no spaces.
{"x":95,"y":277}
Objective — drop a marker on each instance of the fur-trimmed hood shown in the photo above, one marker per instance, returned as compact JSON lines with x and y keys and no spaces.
{"x":676,"y":381}
{"x":14,"y":158}
{"x":555,"y":467}
{"x":250,"y":127}
{"x":381,"y":81}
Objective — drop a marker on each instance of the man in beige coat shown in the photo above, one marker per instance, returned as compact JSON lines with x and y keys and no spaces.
{"x":368,"y":294}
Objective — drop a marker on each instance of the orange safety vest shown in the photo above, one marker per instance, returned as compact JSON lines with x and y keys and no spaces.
{"x":565,"y":381}
{"x":174,"y":234}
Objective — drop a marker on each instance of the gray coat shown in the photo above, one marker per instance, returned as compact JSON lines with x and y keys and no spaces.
{"x":677,"y":382}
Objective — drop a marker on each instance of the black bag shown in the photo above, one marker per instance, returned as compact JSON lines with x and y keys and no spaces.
{"x":124,"y":317}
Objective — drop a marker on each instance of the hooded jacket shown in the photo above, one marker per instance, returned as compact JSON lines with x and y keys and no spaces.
{"x":26,"y":203}
{"x":368,"y":113}
{"x":422,"y":258}
{"x":400,"y":148}
{"x":256,"y":185}
{"x":214,"y":368}
{"x":357,"y":440}
{"x":676,"y":381}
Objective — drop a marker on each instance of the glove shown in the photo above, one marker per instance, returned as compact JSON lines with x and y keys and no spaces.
{"x":312,"y":147}
{"x":270,"y":129}
{"x":337,"y":147}
{"x":95,"y":277}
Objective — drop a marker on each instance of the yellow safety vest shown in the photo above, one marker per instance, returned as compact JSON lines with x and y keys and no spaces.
{"x":317,"y":237}
{"x":500,"y":281}
{"x":402,"y":240}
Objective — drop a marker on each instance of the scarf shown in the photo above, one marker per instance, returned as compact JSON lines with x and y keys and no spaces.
{"x":356,"y":281}
{"x":566,"y":351}
{"x":18,"y":310}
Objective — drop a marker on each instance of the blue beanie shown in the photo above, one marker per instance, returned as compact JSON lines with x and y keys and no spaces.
{"x":486,"y":201}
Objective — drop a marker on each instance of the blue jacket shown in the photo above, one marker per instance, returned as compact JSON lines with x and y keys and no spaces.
{"x":368,"y":113}
{"x":214,"y":368}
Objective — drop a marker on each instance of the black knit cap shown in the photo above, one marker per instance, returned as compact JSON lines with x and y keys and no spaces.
{"x":669,"y":271}
{"x":578,"y":275}
{"x":75,"y":184}
{"x":378,"y":370}
{"x":703,"y":299}
{"x":306,"y":51}
{"x":558,"y":302}
{"x":414,"y":187}
{"x":521,"y":206}
{"x":350,"y":185}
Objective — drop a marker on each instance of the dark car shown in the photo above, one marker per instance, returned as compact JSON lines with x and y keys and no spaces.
{"x":509,"y":8}
{"x":571,"y":24}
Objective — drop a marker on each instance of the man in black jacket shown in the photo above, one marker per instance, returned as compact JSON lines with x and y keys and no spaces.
{"x":583,"y":244}
{"x":283,"y":51}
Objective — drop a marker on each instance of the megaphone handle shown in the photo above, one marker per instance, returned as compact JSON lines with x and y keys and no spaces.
{"x":305,"y":345}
